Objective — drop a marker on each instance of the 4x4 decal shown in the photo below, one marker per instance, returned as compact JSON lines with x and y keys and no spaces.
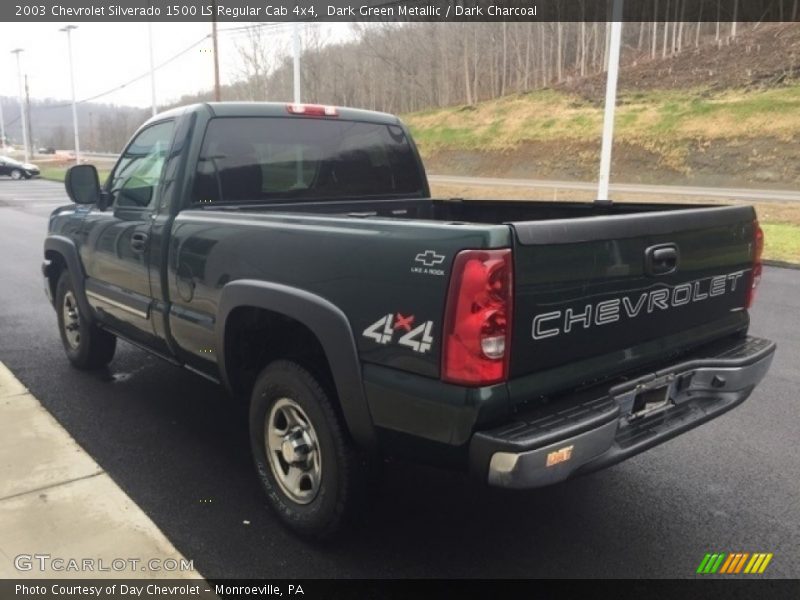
{"x":417,"y":338}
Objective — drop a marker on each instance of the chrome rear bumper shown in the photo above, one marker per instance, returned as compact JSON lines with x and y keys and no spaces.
{"x":603,"y":427}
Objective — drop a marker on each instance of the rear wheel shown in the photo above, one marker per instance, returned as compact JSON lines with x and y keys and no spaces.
{"x":309,"y":468}
{"x":86,"y":345}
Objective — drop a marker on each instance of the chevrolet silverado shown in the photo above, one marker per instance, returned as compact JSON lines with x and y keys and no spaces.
{"x":293,"y":254}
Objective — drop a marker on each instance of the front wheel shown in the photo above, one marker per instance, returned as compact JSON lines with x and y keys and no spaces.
{"x":309,"y":468}
{"x":86,"y":345}
{"x":16,"y":174}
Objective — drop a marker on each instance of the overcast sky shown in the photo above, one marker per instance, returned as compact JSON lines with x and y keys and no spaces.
{"x":109,"y":54}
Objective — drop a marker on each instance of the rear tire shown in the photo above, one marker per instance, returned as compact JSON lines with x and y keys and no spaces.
{"x":86,"y":345}
{"x":310,"y":470}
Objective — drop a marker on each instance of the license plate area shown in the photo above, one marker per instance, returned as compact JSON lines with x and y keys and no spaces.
{"x":650,"y":401}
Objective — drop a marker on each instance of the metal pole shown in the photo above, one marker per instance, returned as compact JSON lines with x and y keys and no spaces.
{"x":23,"y":116}
{"x":611,"y":102}
{"x":152,"y":68}
{"x":217,"y":94}
{"x":2,"y":127}
{"x":69,"y":29}
{"x":296,"y":76}
{"x":296,"y":53}
{"x":28,"y":116}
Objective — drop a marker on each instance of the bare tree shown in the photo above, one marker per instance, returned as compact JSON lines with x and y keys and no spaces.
{"x":655,"y":30}
{"x":468,"y":89}
{"x":255,"y":64}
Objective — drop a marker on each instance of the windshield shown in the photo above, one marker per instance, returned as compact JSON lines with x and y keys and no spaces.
{"x":289,"y":158}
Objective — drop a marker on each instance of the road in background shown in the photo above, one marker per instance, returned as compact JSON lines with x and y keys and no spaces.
{"x":629,"y":188}
{"x":178,"y":447}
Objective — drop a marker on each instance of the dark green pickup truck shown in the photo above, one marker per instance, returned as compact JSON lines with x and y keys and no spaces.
{"x":293,"y":254}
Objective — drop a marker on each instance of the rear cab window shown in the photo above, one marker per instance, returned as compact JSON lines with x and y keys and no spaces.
{"x":279,"y":159}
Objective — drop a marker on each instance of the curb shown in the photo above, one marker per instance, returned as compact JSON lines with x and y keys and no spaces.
{"x":781,"y":264}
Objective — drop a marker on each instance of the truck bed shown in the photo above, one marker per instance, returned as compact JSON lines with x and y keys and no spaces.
{"x":457,"y":210}
{"x":586,"y":300}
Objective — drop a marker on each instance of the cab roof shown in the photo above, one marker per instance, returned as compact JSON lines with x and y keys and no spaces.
{"x":272,"y":109}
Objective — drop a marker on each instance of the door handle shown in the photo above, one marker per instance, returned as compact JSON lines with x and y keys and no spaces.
{"x":139,"y":242}
{"x":661,"y":259}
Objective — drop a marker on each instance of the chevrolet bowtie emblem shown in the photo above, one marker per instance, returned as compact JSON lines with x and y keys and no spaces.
{"x":429,"y":258}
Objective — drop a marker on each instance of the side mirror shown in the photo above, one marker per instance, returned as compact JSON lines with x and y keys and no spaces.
{"x":83,"y":184}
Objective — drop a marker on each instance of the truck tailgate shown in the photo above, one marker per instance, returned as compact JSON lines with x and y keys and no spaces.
{"x":623,"y":290}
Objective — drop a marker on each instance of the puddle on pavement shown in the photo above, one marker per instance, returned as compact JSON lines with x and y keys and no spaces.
{"x":118,"y":377}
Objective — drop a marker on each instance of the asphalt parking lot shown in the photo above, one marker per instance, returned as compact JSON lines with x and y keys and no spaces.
{"x":178,"y":447}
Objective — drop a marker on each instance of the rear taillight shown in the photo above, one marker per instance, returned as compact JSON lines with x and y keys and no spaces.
{"x":477,"y":322}
{"x":755,"y":274}
{"x":312,"y":110}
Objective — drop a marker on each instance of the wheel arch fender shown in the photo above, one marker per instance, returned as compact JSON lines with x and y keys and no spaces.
{"x":326,"y":321}
{"x":68,"y":251}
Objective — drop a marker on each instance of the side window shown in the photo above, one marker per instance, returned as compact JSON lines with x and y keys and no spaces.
{"x":135,"y":179}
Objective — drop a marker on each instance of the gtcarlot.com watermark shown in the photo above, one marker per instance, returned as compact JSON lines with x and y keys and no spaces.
{"x":45,"y":563}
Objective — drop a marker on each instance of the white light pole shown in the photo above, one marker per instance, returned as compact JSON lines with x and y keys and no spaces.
{"x":2,"y":127}
{"x":296,"y":71}
{"x":23,"y":116}
{"x":296,"y":49}
{"x":68,"y":29}
{"x":152,"y":68}
{"x":611,"y":102}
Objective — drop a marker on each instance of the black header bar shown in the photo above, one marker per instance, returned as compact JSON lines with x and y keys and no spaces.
{"x":356,"y":589}
{"x":256,"y":11}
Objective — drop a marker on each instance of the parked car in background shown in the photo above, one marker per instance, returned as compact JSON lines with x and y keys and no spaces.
{"x":16,"y":169}
{"x":46,"y":150}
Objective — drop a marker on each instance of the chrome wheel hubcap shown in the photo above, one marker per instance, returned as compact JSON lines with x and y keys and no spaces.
{"x":72,"y":320}
{"x":292,"y":450}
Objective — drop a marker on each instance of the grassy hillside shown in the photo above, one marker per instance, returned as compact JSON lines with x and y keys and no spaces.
{"x":674,"y":115}
{"x":674,"y":128}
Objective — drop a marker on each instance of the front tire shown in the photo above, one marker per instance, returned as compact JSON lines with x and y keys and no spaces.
{"x":86,"y":345}
{"x":16,"y":174}
{"x":311,"y":472}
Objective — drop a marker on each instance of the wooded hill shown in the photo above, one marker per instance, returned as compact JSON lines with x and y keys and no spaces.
{"x":412,"y":67}
{"x":710,"y":115}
